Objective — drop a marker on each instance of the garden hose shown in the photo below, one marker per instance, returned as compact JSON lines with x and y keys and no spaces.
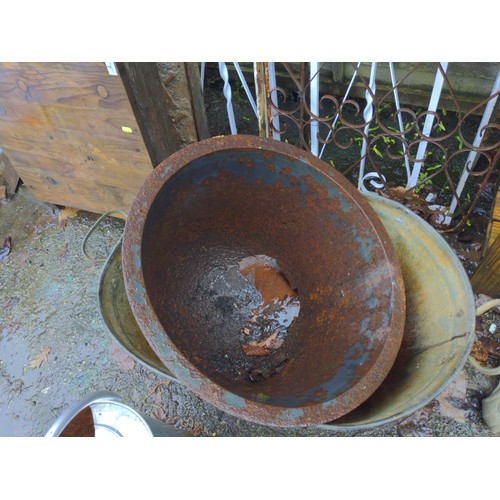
{"x":92,"y":229}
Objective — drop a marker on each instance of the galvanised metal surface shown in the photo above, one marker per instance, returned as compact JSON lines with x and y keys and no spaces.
{"x":118,"y":317}
{"x":213,"y":204}
{"x":105,"y":414}
{"x":439,"y":326}
{"x":438,"y":331}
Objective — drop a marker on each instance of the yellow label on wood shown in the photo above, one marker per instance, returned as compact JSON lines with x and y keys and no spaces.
{"x":127,"y":130}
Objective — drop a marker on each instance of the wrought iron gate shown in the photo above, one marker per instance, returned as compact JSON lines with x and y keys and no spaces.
{"x":438,"y":160}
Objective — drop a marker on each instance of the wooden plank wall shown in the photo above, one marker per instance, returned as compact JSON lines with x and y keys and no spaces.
{"x":495,"y":220}
{"x":70,"y":133}
{"x":487,"y":277}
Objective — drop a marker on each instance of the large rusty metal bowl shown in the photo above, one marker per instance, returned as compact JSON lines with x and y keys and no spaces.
{"x":212,"y":205}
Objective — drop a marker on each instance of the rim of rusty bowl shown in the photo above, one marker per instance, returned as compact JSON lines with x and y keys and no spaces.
{"x":166,"y":349}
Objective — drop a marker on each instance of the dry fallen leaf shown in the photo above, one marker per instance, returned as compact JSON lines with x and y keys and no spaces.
{"x":7,"y":246}
{"x":448,"y":399}
{"x":124,"y":361}
{"x":159,"y":414}
{"x":197,"y":430}
{"x":62,"y":251}
{"x":254,"y":350}
{"x":38,"y":359}
{"x":417,"y":425}
{"x":479,"y":352}
{"x":66,"y":213}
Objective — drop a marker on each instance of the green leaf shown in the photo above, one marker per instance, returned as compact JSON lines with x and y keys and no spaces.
{"x":430,"y":169}
{"x":376,"y":151}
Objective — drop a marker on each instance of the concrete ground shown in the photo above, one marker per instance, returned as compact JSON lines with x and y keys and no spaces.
{"x":55,"y":348}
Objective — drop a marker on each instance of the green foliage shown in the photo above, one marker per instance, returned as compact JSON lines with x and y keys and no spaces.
{"x":435,"y":167}
{"x":376,"y":151}
{"x":238,"y":90}
{"x":422,"y":176}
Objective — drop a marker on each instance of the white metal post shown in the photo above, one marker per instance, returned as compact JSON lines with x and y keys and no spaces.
{"x":367,"y":116}
{"x":429,"y":120}
{"x":251,"y":100}
{"x":314,"y":79}
{"x":400,"y":119}
{"x":271,"y":71}
{"x":472,"y":157}
{"x":227,"y":94}
{"x":337,"y":114}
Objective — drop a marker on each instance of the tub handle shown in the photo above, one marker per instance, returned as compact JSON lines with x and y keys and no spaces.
{"x":93,"y":228}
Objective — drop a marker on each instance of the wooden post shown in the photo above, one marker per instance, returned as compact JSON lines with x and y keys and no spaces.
{"x":150,"y":105}
{"x":487,"y":277}
{"x":261,"y":92}
{"x":197,"y":101}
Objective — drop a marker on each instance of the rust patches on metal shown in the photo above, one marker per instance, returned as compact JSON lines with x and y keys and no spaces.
{"x":214,"y":203}
{"x":269,"y":280}
{"x":264,"y":332}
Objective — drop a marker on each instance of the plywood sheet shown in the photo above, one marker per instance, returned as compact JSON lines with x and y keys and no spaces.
{"x":70,"y":133}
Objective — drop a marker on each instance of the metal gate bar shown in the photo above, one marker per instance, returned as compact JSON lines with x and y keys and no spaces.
{"x":421,"y":170}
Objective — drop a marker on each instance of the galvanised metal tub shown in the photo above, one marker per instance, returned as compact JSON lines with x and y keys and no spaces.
{"x":438,"y":328}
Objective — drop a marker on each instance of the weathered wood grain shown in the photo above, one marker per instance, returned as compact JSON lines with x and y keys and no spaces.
{"x":71,"y":134}
{"x":198,"y":103}
{"x":487,"y":277}
{"x":150,"y":104}
{"x":495,"y":220}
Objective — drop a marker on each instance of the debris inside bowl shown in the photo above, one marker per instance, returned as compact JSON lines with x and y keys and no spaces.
{"x":264,"y":332}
